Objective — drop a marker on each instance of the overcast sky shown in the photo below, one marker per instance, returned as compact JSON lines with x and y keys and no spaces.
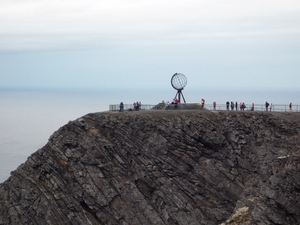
{"x":141,"y":43}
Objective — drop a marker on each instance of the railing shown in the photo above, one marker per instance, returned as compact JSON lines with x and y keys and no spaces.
{"x":257,"y":107}
{"x":130,"y":107}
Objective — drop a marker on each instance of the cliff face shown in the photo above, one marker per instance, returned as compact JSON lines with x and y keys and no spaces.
{"x":161,"y":167}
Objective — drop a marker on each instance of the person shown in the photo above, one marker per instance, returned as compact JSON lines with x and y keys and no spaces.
{"x":121,"y":107}
{"x":236,"y":105}
{"x":175,"y":101}
{"x":290,"y":105}
{"x":227,"y":105}
{"x":214,"y":105}
{"x":232,"y":105}
{"x":267,"y":105}
{"x":167,"y":105}
{"x":252,"y":107}
{"x":202,"y":103}
{"x":271,"y":107}
{"x":243,"y":106}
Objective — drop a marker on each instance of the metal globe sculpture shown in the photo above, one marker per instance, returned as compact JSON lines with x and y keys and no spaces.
{"x":178,"y":82}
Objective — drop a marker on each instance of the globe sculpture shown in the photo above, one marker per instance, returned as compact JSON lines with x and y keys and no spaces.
{"x":178,"y":82}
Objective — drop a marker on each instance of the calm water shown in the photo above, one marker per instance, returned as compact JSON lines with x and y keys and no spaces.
{"x":29,"y":117}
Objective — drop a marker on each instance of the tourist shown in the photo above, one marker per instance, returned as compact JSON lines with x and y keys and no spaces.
{"x":290,"y":105}
{"x":236,"y":105}
{"x":252,"y":107}
{"x":267,"y":105}
{"x":202,"y":103}
{"x":121,"y":107}
{"x":214,"y":105}
{"x":243,"y":106}
{"x":227,"y":105}
{"x":232,"y":105}
{"x":167,"y":105}
{"x":137,"y":106}
{"x":175,"y":102}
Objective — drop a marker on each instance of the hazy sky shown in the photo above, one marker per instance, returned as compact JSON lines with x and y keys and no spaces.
{"x":141,"y":43}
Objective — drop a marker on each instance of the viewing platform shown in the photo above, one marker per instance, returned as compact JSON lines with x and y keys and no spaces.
{"x":160,"y":106}
{"x":198,"y":106}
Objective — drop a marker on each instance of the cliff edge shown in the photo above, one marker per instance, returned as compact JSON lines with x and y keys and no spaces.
{"x":161,"y":167}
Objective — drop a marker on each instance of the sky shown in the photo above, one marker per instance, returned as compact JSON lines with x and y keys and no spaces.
{"x":141,"y":43}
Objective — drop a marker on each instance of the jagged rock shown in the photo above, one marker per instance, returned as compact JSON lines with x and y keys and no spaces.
{"x":161,"y":167}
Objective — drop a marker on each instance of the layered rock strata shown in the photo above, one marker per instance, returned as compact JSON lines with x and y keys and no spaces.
{"x":161,"y":167}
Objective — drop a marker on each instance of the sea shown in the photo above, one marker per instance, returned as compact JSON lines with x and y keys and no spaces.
{"x":30,"y":116}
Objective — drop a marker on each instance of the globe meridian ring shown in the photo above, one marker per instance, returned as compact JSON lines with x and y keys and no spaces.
{"x":178,"y":81}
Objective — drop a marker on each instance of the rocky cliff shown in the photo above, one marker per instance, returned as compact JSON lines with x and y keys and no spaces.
{"x":161,"y":167}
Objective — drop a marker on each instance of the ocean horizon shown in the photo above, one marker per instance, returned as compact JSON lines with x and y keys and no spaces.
{"x":30,"y":116}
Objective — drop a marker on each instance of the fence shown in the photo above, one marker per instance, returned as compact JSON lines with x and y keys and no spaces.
{"x":257,"y":107}
{"x":130,"y":107}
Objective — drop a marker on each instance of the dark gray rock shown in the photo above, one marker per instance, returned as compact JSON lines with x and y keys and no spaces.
{"x":161,"y":167}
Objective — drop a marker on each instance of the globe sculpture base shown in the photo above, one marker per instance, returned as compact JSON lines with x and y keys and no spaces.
{"x":179,"y":95}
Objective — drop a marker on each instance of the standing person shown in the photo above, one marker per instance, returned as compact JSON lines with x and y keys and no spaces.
{"x":290,"y":105}
{"x":227,"y":105}
{"x":236,"y":105}
{"x":243,"y":106}
{"x":175,"y":102}
{"x":121,"y":107}
{"x":232,"y":105}
{"x":252,"y":107}
{"x":202,"y":103}
{"x":267,"y":105}
{"x":167,"y":105}
{"x":214,"y":105}
{"x":271,"y":107}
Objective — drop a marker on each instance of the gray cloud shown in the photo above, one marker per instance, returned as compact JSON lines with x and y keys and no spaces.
{"x":66,"y":24}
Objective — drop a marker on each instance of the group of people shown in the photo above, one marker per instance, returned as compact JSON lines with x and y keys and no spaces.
{"x":271,"y":106}
{"x":232,"y":105}
{"x":235,"y":105}
{"x":137,"y":106}
{"x":174,"y":102}
{"x":267,"y":106}
{"x":242,"y":106}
